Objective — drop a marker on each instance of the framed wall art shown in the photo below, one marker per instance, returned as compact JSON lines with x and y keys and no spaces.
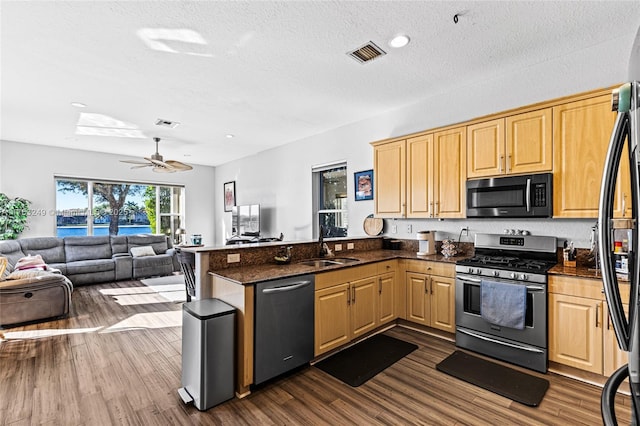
{"x":229,"y":195}
{"x":363,"y":185}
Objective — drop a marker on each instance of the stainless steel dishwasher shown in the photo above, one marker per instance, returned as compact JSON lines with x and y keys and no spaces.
{"x":284,"y":312}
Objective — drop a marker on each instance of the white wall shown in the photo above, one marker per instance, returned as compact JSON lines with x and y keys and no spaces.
{"x":280,"y":179}
{"x":28,"y":171}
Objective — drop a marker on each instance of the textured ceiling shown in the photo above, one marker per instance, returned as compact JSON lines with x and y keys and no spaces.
{"x":268,"y":72}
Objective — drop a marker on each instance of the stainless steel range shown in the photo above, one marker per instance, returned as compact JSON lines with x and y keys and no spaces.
{"x":500,"y":263}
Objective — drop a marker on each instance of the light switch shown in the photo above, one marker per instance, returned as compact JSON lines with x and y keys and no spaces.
{"x":338,"y":247}
{"x":233,"y":258}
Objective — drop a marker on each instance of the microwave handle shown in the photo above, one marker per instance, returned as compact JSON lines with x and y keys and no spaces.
{"x":528,"y":194}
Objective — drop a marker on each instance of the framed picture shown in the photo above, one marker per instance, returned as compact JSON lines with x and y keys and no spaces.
{"x":229,"y":195}
{"x":363,"y":185}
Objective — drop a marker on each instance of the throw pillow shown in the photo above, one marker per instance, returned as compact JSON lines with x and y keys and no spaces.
{"x":142,"y":251}
{"x":31,"y":262}
{"x":4,"y":273}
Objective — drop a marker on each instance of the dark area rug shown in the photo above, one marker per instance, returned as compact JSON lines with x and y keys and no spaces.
{"x":520,"y":387}
{"x":360,"y":362}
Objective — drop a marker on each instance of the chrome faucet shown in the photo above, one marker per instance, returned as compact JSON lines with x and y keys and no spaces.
{"x":323,"y":249}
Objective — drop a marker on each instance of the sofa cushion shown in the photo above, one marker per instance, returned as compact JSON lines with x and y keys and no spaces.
{"x":12,"y":250}
{"x":90,"y":266}
{"x":119,"y":244}
{"x":142,"y":251}
{"x":158,"y":242}
{"x":87,"y":248}
{"x":50,"y":248}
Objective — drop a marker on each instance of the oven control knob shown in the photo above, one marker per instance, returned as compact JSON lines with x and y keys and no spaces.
{"x":496,"y":273}
{"x":524,"y":277}
{"x":470,"y":270}
{"x":479,"y":271}
{"x":513,"y":275}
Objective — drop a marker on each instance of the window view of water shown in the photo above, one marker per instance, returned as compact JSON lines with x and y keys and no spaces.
{"x":65,"y":231}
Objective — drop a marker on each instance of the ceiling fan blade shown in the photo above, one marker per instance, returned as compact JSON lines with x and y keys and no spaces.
{"x":141,"y":166}
{"x":179,"y":165}
{"x":134,"y":162}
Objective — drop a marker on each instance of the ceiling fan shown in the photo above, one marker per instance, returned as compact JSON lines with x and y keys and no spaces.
{"x":159,"y":164}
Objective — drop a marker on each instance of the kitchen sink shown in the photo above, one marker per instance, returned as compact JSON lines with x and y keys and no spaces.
{"x":321,"y":263}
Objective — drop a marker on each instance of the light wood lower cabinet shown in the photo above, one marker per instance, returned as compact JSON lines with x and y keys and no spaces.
{"x":580,"y":332}
{"x":348,"y":310}
{"x":431,"y":294}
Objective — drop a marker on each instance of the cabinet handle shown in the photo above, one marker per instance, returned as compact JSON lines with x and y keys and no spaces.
{"x":608,"y":322}
{"x":426,"y":286}
{"x":431,"y":285}
{"x":597,"y":315}
{"x":500,"y":164}
{"x":379,"y":285}
{"x":348,"y":295}
{"x":431,"y":209}
{"x":624,"y":205}
{"x":353,"y":291}
{"x":508,"y":165}
{"x":437,"y":212}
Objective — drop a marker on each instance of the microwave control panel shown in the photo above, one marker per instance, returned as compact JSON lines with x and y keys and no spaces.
{"x":539,"y":195}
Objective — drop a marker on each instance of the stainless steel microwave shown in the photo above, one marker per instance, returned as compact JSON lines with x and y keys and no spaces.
{"x":511,"y":196}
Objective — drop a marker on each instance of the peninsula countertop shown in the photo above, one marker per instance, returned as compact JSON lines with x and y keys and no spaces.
{"x":252,"y":274}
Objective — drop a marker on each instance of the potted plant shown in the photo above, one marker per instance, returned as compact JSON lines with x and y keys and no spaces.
{"x":13,"y":216}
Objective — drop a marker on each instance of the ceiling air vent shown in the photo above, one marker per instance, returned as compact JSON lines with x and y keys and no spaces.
{"x":367,"y":53}
{"x":167,"y":123}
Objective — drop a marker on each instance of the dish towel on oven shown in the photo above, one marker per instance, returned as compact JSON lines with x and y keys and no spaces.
{"x":503,"y":304}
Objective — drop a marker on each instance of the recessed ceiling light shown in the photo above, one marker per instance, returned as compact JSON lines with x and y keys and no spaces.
{"x":400,"y":40}
{"x":229,"y":136}
{"x":78,"y":104}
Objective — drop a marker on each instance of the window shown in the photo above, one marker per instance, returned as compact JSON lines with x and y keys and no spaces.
{"x":88,"y":207}
{"x":330,"y":200}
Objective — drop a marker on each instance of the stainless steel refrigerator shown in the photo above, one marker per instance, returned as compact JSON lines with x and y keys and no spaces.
{"x":626,"y":101}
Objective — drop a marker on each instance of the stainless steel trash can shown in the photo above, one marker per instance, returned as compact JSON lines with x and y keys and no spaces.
{"x":208,"y":347}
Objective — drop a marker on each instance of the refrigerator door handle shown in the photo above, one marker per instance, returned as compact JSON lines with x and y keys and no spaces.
{"x":605,"y":231}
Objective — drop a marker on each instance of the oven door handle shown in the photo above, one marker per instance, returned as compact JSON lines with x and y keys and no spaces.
{"x":528,"y":194}
{"x":500,"y":342}
{"x":477,"y":281}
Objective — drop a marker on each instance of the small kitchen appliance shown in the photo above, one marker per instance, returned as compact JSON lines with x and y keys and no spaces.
{"x":426,"y":243}
{"x":519,"y":262}
{"x":626,"y":133}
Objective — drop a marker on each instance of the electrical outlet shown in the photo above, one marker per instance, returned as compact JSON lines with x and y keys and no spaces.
{"x":338,"y":247}
{"x":233,"y":258}
{"x":409,"y":228}
{"x":465,"y":231}
{"x":394,"y":229}
{"x":350,"y":246}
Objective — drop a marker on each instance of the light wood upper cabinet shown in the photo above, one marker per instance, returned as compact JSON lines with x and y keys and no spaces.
{"x":581,"y":132}
{"x":517,"y":144}
{"x":420,"y":176}
{"x":529,"y":142}
{"x":435,"y":166}
{"x":389,"y":163}
{"x":485,"y":149}
{"x":449,"y":173}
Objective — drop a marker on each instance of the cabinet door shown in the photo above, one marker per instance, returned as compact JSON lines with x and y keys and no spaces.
{"x":614,"y":357}
{"x":450,"y":173}
{"x":529,"y":142}
{"x":364,"y":295}
{"x":332,"y":323}
{"x":581,"y":132}
{"x":386,"y":297}
{"x":485,"y":149}
{"x":442,"y":303}
{"x":419,"y":176}
{"x":575,"y":332}
{"x":389,"y":189}
{"x":417,"y":298}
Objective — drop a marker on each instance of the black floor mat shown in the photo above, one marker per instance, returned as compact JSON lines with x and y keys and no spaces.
{"x":505,"y":381}
{"x":359,"y":363}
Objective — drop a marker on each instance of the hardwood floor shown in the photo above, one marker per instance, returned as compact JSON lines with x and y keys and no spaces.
{"x":116,"y":360}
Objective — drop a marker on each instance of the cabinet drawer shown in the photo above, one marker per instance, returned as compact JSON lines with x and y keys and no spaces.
{"x":386,"y":266}
{"x":581,"y":287}
{"x":343,"y":275}
{"x":431,"y":268}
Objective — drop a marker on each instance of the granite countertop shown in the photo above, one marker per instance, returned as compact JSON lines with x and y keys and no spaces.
{"x":253,"y":274}
{"x":578,"y":271}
